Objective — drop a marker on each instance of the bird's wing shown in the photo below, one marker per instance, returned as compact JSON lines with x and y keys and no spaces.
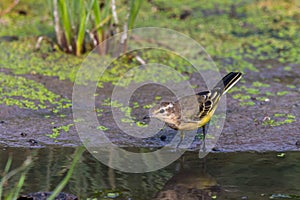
{"x":207,"y":102}
{"x":196,"y":107}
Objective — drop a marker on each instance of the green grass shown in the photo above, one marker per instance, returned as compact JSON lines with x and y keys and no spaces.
{"x":76,"y":158}
{"x":82,"y":25}
{"x":14,"y":191}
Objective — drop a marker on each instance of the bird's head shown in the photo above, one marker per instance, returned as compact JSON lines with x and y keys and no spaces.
{"x":163,"y":111}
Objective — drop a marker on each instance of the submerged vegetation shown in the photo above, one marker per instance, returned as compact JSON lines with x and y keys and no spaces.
{"x":12,"y":192}
{"x":8,"y":174}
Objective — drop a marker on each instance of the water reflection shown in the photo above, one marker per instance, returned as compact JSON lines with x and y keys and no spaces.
{"x":221,"y":176}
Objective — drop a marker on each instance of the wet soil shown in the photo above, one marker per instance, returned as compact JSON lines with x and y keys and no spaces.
{"x":243,"y":129}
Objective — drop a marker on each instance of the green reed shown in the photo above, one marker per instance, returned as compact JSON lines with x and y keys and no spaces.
{"x":83,"y":24}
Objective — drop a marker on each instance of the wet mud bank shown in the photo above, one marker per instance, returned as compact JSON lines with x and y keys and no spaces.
{"x":265,"y":125}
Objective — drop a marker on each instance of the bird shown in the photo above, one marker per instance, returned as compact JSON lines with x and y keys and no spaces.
{"x":194,"y":111}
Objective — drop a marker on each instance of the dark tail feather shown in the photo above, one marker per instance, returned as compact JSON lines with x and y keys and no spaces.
{"x":228,"y":81}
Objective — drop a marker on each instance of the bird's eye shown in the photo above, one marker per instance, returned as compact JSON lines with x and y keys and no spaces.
{"x":162,"y":111}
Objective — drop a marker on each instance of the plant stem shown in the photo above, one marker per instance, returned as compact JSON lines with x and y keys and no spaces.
{"x":56,"y":24}
{"x":63,"y":183}
{"x":66,"y":23}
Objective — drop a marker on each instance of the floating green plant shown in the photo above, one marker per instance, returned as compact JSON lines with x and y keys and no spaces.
{"x":25,"y":93}
{"x":102,"y":128}
{"x":260,"y":84}
{"x":279,"y":119}
{"x":247,"y":103}
{"x":56,"y":131}
{"x":291,"y":86}
{"x":282,"y":93}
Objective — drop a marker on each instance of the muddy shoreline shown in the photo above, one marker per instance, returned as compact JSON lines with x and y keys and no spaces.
{"x":244,"y":128}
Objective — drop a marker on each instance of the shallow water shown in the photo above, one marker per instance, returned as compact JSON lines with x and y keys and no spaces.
{"x":238,"y":175}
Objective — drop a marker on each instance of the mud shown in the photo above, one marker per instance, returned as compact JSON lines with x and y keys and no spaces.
{"x":244,"y":129}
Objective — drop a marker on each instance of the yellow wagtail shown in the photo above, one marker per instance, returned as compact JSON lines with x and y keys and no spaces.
{"x":195,"y":111}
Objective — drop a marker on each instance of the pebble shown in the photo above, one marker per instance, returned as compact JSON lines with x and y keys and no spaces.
{"x":163,"y":138}
{"x":216,"y":149}
{"x":23,"y":134}
{"x":32,"y":142}
{"x":298,"y":143}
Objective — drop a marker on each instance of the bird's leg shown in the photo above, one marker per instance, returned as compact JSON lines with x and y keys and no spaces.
{"x":204,"y":131}
{"x":181,"y":138}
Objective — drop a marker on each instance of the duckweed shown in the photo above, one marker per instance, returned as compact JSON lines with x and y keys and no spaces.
{"x":279,"y":119}
{"x":291,"y":86}
{"x":102,"y":128}
{"x":125,"y":110}
{"x":25,"y":93}
{"x":241,"y":96}
{"x":252,"y":91}
{"x":287,"y":68}
{"x":282,"y":93}
{"x":57,"y":130}
{"x":260,"y":84}
{"x":247,"y":103}
{"x":236,"y":34}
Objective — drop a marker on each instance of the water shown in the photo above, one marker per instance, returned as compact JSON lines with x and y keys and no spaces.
{"x":220,"y":175}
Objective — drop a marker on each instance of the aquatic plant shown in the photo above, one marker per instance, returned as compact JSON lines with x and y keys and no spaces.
{"x":14,"y":192}
{"x":83,"y":24}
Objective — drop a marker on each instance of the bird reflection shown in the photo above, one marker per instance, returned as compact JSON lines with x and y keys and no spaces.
{"x":190,"y":184}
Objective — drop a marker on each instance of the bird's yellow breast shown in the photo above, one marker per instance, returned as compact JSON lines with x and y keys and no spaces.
{"x":196,"y":124}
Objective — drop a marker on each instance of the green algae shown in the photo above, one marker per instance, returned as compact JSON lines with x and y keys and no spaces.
{"x":25,"y":93}
{"x":291,"y":86}
{"x":236,"y":34}
{"x":260,"y":84}
{"x":279,"y":119}
{"x":282,"y":93}
{"x":102,"y":128}
{"x":258,"y":91}
{"x":20,"y":58}
{"x":26,"y":19}
{"x":241,"y":96}
{"x":56,"y":131}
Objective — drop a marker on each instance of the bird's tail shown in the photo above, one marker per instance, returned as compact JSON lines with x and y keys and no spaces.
{"x":228,"y":82}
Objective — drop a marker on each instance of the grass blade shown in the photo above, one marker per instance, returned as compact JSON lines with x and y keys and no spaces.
{"x":20,"y":184}
{"x":135,"y":6}
{"x":63,"y":183}
{"x":66,"y":23}
{"x":81,"y":31}
{"x":6,"y":169}
{"x":97,"y":15}
{"x":24,"y":167}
